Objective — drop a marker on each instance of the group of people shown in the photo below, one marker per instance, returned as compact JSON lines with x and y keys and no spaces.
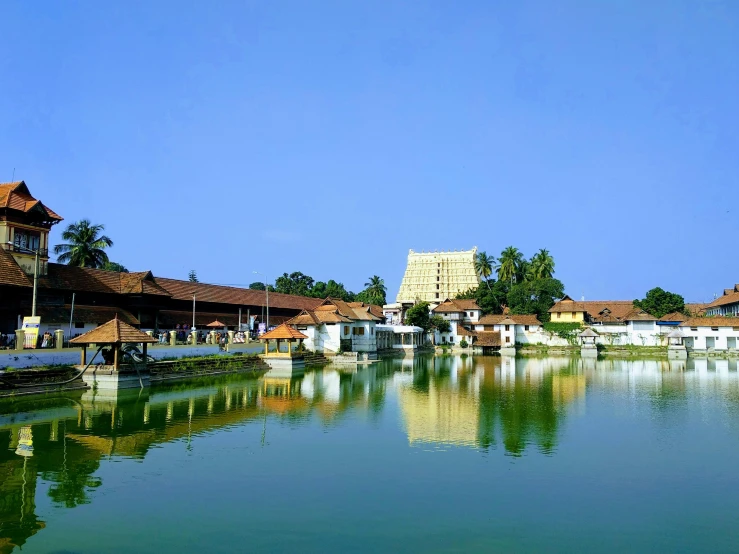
{"x":6,"y":341}
{"x":184,"y":336}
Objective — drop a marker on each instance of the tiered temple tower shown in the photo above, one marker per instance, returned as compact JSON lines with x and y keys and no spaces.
{"x":435,"y":276}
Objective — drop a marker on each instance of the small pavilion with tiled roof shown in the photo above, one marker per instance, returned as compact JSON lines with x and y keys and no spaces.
{"x":289,"y":360}
{"x":115,"y":333}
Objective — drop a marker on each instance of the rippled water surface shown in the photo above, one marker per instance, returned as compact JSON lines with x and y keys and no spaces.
{"x":425,"y":454}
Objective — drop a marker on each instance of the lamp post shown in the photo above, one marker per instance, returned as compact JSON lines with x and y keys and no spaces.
{"x":266,"y":288}
{"x":36,"y":252}
{"x":193,"y":311}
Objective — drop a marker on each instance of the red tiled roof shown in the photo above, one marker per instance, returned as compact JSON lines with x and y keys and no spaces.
{"x":717,"y":321}
{"x":11,"y":273}
{"x":488,"y":338}
{"x":674,"y":316}
{"x":66,"y":277}
{"x":730,"y":296}
{"x":113,"y":332}
{"x":455,"y":306}
{"x":497,"y":319}
{"x":16,"y":196}
{"x":374,"y":309}
{"x":696,"y":308}
{"x":284,"y":331}
{"x":183,"y":290}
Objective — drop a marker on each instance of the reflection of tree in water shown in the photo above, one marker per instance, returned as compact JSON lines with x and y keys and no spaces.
{"x":521,"y":412}
{"x":72,"y":484}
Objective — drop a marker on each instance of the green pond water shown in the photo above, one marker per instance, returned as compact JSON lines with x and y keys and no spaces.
{"x":425,"y":454}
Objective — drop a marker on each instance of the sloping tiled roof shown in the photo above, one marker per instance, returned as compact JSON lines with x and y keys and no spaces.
{"x":637,"y":314}
{"x":464,"y":332}
{"x":16,"y":196}
{"x":456,"y":305}
{"x":86,"y":314}
{"x":183,"y":290}
{"x":113,"y":332}
{"x":717,"y":321}
{"x":374,"y":309}
{"x":11,"y":273}
{"x":304,"y":318}
{"x":674,"y":316}
{"x":488,"y":338}
{"x":497,"y":319}
{"x":730,"y":296}
{"x":696,"y":308}
{"x":85,"y":279}
{"x":284,"y":331}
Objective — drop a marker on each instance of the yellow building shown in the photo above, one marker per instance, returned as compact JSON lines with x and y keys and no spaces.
{"x":435,"y":276}
{"x":568,"y":311}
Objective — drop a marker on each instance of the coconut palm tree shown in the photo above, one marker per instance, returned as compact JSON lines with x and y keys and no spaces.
{"x":85,"y":245}
{"x":484,"y":266}
{"x":510,"y":263}
{"x":542,"y":265}
{"x":376,"y":289}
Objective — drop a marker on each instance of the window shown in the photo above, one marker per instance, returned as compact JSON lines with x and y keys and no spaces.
{"x":346,"y":329}
{"x":470,"y":314}
{"x":437,"y":295}
{"x":525,"y":327}
{"x":694,"y":328}
{"x":359,"y":330}
{"x":437,"y":277}
{"x":79,"y":324}
{"x":714,"y":328}
{"x":26,"y":239}
{"x":574,"y":314}
{"x":507,"y":327}
{"x":437,"y":286}
{"x":558,"y":314}
{"x":508,"y":339}
{"x":372,"y":330}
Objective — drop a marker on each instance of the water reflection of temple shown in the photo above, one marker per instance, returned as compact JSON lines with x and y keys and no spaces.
{"x":485,"y":401}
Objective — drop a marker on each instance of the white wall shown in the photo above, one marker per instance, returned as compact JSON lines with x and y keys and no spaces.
{"x":699,"y":339}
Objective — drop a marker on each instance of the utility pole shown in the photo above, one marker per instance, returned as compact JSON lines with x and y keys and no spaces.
{"x":35,"y":283}
{"x":193,"y":311}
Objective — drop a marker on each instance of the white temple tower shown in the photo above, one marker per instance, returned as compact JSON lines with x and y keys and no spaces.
{"x":435,"y":276}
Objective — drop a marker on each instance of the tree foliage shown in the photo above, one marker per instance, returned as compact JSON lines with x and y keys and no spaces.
{"x":484,"y":266}
{"x":333,"y":289}
{"x":114,"y":266}
{"x":442,"y":325}
{"x":193,"y":276}
{"x":295,"y":283}
{"x":418,"y":315}
{"x":85,"y":246}
{"x":375,"y":292}
{"x":659,"y":302}
{"x":535,"y":297}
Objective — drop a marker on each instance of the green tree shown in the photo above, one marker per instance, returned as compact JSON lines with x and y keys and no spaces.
{"x":331,"y":289}
{"x":296,"y":283}
{"x":114,"y":266}
{"x":510,"y":263}
{"x":484,"y":266}
{"x":535,"y":297}
{"x":659,"y":302}
{"x":193,"y":276}
{"x":418,"y":315}
{"x":85,"y":246}
{"x":442,"y":325}
{"x":541,"y":265}
{"x":491,"y":299}
{"x":375,"y":291}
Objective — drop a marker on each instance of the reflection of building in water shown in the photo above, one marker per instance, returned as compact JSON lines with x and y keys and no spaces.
{"x":485,"y":401}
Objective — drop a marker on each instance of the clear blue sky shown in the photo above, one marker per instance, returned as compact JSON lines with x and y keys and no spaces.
{"x":331,"y":137}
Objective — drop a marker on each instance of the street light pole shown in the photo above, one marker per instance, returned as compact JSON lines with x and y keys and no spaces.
{"x":193,"y":311}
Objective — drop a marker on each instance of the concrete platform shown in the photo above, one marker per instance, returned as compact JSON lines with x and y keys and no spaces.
{"x":105,"y":378}
{"x":284,"y":366}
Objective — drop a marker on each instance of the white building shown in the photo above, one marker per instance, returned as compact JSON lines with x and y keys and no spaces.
{"x":400,"y":337}
{"x":462,"y":315}
{"x":511,"y":329}
{"x":727,"y":304}
{"x":338,"y":326}
{"x":711,"y":333}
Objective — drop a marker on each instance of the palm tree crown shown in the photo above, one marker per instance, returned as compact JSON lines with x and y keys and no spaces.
{"x":484,"y":265}
{"x":376,"y":289}
{"x":85,"y":245}
{"x":511,"y":263}
{"x":542,"y":265}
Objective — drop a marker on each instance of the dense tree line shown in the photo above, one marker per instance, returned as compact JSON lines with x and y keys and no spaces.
{"x":525,"y":286}
{"x":299,"y":284}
